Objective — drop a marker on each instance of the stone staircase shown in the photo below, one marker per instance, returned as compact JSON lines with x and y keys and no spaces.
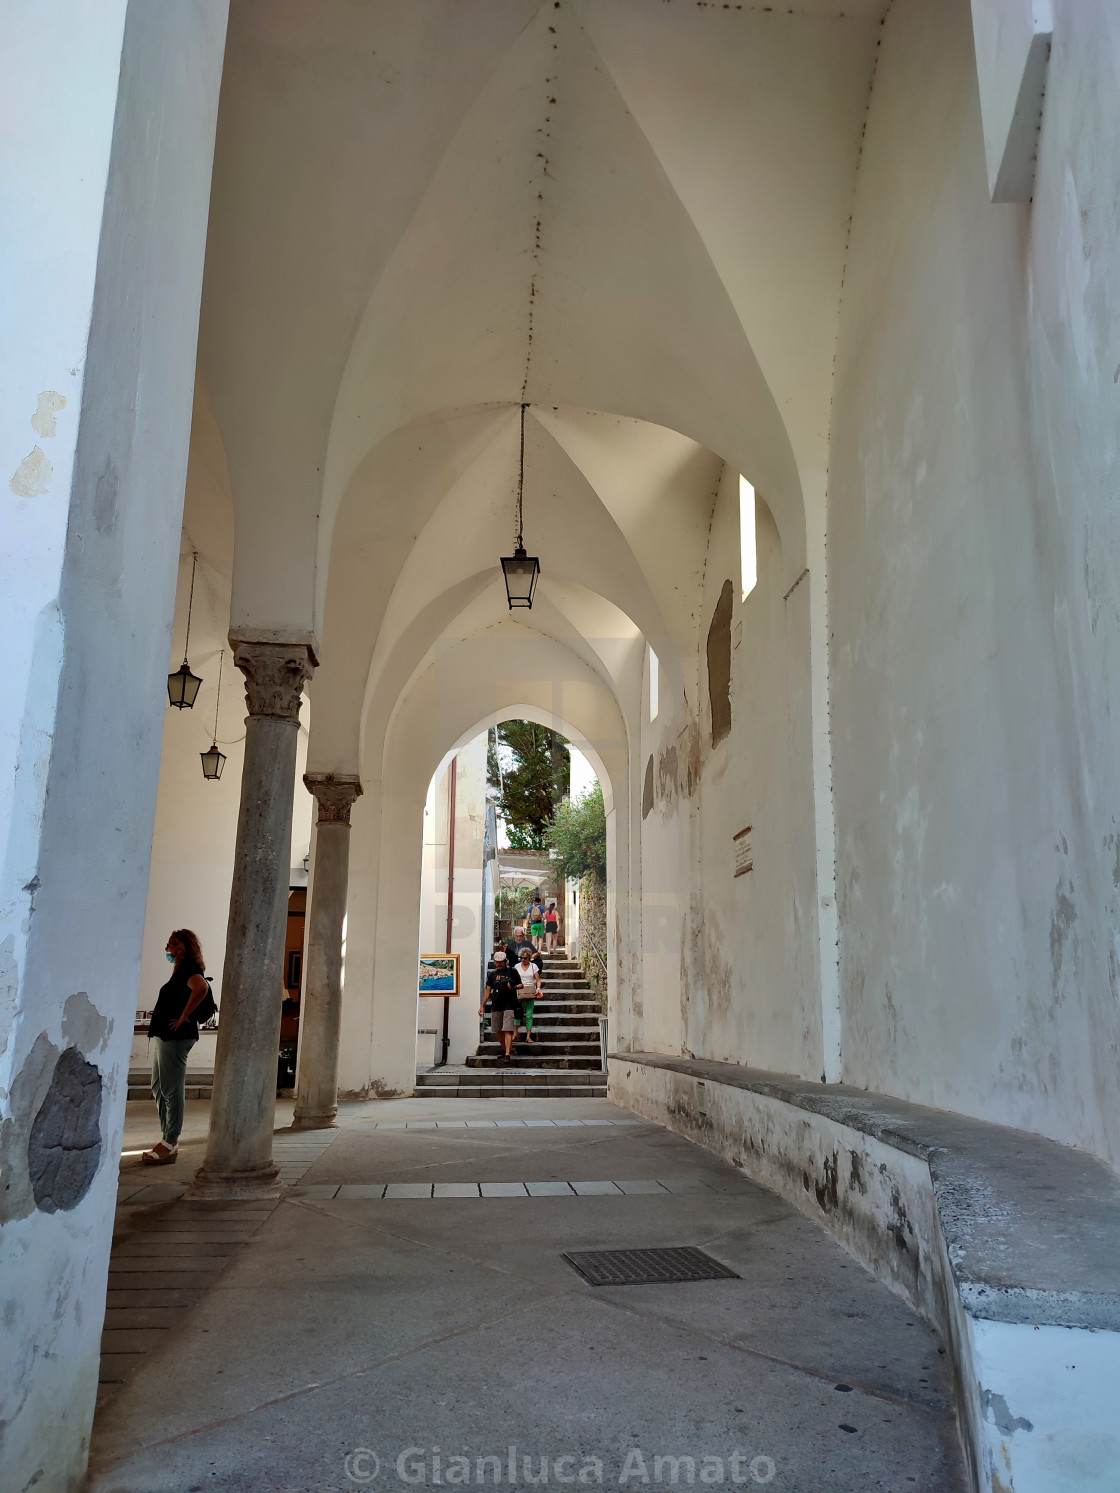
{"x":564,"y":1060}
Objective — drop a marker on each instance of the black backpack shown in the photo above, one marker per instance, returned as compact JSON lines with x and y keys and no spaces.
{"x":207,"y":1007}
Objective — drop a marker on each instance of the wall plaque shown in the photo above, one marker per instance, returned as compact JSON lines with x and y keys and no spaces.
{"x":744,"y":854}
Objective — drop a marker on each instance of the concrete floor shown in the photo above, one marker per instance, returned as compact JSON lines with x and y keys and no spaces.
{"x":346,"y":1326}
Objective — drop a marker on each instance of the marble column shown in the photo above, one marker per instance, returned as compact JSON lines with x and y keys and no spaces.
{"x":242,"y":1113}
{"x":321,"y":1010}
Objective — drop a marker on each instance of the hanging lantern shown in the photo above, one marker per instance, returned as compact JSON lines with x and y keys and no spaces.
{"x":182,"y":686}
{"x":213,"y":761}
{"x":520,"y":570}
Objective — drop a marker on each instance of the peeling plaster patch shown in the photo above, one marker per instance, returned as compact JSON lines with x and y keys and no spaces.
{"x":719,"y":666}
{"x":996,"y":1410}
{"x":33,"y":475}
{"x":42,"y":421}
{"x":83,"y":1025}
{"x":29,"y":1088}
{"x":647,"y":790}
{"x":64,"y":1150}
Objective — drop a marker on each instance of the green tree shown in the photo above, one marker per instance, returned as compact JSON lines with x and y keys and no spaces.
{"x":579,"y":836}
{"x":529,"y":787}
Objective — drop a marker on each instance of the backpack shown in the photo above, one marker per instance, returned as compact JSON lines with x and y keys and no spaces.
{"x":207,"y":1007}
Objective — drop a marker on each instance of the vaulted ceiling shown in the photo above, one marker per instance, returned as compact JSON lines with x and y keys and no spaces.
{"x":630,"y":214}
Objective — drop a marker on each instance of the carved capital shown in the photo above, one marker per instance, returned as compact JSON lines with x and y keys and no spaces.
{"x":334,"y":793}
{"x":275,"y":674}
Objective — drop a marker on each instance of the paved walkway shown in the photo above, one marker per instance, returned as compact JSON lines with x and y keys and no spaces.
{"x":408,"y":1309}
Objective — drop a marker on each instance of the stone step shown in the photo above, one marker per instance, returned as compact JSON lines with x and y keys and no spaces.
{"x":531,"y":1060}
{"x":510,"y":1083}
{"x":566,"y":1028}
{"x":542,"y":1052}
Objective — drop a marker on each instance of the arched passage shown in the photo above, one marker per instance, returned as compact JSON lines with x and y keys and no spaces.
{"x":526,"y":677}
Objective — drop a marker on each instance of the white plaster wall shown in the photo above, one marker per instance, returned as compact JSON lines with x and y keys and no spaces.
{"x":730,"y":964}
{"x":973,"y":548}
{"x":109,"y":189}
{"x":466,"y":929}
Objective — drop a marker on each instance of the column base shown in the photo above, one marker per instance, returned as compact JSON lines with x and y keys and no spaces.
{"x":261,"y":1182}
{"x":319,"y":1120}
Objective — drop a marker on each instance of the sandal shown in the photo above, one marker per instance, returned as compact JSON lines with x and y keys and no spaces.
{"x":161,"y":1154}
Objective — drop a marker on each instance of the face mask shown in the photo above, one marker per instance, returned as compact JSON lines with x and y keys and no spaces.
{"x":171,"y":958}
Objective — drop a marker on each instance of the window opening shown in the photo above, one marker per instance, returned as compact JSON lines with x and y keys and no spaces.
{"x":654,"y":672}
{"x":748,"y":552}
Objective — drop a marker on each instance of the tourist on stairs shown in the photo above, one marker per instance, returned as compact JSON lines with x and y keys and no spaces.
{"x":529,"y":979}
{"x":551,"y":928}
{"x":536,"y":923}
{"x":501,"y":992}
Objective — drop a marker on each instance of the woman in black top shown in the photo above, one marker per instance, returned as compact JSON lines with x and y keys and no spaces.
{"x":174,"y":1034}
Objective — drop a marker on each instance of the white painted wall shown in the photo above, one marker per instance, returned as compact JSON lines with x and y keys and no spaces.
{"x":730,"y":964}
{"x":974,"y":546}
{"x":466,"y":930}
{"x":106,"y":148}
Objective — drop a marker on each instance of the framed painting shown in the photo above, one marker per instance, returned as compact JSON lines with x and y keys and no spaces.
{"x":439,"y":974}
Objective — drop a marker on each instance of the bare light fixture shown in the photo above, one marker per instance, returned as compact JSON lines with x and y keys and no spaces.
{"x":520,"y":570}
{"x":182,"y":686}
{"x":213,"y":761}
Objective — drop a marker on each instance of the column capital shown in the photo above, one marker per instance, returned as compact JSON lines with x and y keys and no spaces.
{"x":275,"y":674}
{"x":334,"y":793}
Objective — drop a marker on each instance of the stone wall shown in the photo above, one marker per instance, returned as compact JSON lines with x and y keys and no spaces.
{"x":593,"y":925}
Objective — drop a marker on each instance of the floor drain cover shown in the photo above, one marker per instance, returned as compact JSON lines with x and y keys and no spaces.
{"x":644,"y":1267}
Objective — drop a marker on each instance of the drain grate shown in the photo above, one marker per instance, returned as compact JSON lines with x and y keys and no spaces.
{"x":646,"y":1267}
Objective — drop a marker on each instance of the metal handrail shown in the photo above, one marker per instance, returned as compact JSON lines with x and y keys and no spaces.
{"x":595,"y":951}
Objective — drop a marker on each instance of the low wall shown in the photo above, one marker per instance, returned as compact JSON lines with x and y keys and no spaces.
{"x":1036,"y":1367}
{"x":199,"y":1061}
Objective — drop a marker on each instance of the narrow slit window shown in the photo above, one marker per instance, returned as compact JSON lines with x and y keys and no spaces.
{"x":654,"y":670}
{"x":748,"y":554}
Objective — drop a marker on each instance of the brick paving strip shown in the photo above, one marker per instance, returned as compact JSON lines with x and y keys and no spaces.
{"x":168,"y":1250}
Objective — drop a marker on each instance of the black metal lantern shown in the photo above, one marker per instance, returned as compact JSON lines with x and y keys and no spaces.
{"x":520,"y":570}
{"x":213,"y":761}
{"x":182,"y":686}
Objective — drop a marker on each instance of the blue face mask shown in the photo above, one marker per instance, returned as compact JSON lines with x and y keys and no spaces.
{"x":171,"y":958}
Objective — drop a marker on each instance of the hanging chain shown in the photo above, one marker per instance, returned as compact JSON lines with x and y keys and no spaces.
{"x":218,"y":701}
{"x":190,"y":605}
{"x":521,"y":482}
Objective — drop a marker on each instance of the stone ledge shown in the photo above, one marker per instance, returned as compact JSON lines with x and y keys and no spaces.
{"x":1005,"y":1241}
{"x":1031,"y":1227}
